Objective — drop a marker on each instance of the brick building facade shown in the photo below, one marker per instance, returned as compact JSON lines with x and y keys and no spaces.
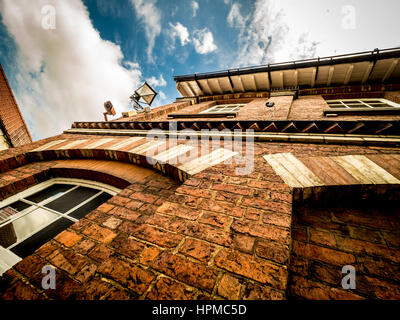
{"x":219,"y":195}
{"x":13,"y":129}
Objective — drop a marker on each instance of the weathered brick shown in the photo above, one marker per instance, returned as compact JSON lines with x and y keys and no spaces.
{"x":206,"y":232}
{"x":86,"y":273}
{"x":195,"y":274}
{"x":273,"y":251}
{"x":148,"y":255}
{"x":194,"y":192}
{"x":68,"y":238}
{"x":327,"y":273}
{"x":119,"y":201}
{"x":30,"y":266}
{"x":317,"y":291}
{"x":243,"y":243}
{"x":105,"y":207}
{"x":68,"y":261}
{"x":232,"y":189}
{"x":174,"y":209}
{"x":364,"y":247}
{"x":124,"y":213}
{"x":379,"y":268}
{"x":128,"y":247}
{"x":155,"y":235}
{"x":229,"y":287}
{"x":168,"y":289}
{"x":261,"y":230}
{"x":323,"y":238}
{"x":273,"y":206}
{"x":112,"y":223}
{"x":84,"y":246}
{"x":199,"y":250}
{"x":20,"y":291}
{"x":134,"y":205}
{"x":314,"y":252}
{"x":100,"y":253}
{"x":221,"y":207}
{"x":215,"y":219}
{"x":142,"y":196}
{"x":127,"y":274}
{"x":100,"y":234}
{"x":282,"y":220}
{"x":46,"y":249}
{"x":253,"y":268}
{"x":258,"y":292}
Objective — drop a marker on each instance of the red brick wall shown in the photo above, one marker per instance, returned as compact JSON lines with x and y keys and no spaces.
{"x":393,"y":96}
{"x":330,"y":236}
{"x":10,"y":116}
{"x":219,"y":235}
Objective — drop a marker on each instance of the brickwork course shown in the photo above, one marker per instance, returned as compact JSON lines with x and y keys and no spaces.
{"x":194,"y":229}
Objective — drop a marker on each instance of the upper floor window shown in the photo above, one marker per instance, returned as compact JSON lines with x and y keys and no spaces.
{"x":224,"y":108}
{"x":35,"y":216}
{"x":362,"y":103}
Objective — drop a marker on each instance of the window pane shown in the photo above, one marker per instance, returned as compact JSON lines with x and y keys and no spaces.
{"x":19,"y":206}
{"x":91,"y":205}
{"x":380,"y":105}
{"x":337,"y":106}
{"x":28,"y":246}
{"x":372,"y":101}
{"x":71,"y":199}
{"x":360,"y":105}
{"x":21,"y":228}
{"x":49,"y":192}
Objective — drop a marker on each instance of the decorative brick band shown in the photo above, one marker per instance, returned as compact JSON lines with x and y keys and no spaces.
{"x":328,"y":127}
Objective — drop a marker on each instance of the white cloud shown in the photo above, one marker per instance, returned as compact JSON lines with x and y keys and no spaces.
{"x":203,"y":41}
{"x":181,"y":32}
{"x":195,"y":7}
{"x":148,"y":13}
{"x":263,"y":36}
{"x":235,"y":18}
{"x":66,"y":74}
{"x":260,"y":34}
{"x":154,"y":82}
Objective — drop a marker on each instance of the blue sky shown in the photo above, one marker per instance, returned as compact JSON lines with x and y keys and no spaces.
{"x":62,"y":70}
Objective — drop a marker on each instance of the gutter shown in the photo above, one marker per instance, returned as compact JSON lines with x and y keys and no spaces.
{"x":317,"y":62}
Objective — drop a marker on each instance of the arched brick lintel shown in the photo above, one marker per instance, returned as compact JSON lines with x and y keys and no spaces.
{"x":119,"y":175}
{"x":98,"y":154}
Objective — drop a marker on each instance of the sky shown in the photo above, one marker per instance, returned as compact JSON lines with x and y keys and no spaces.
{"x":64,"y":59}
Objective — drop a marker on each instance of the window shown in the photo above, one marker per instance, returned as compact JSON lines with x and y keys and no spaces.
{"x":362,"y":103}
{"x":35,"y":216}
{"x":224,"y":108}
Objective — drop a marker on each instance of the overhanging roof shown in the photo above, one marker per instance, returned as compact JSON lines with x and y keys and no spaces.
{"x":378,"y":66}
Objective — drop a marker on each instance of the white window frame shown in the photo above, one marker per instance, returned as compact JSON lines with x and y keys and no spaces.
{"x":344,"y":103}
{"x":225,"y":108}
{"x":5,"y":253}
